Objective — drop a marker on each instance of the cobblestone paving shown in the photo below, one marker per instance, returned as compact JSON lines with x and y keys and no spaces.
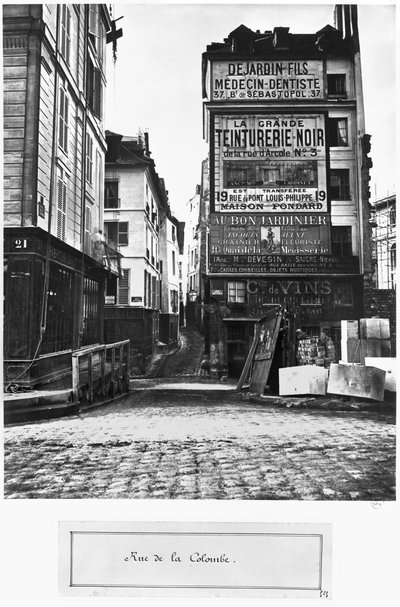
{"x":187,"y":360}
{"x":159,"y":444}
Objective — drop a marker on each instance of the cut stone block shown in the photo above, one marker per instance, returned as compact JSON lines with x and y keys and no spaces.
{"x":370,"y":347}
{"x":357,"y":380}
{"x":351,"y":350}
{"x":349,"y":329}
{"x":305,"y":379}
{"x":370,"y":328}
{"x":388,"y":365}
{"x":385,"y":328}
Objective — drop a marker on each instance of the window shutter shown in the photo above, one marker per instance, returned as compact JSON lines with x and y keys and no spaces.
{"x":123,"y":288}
{"x":61,"y":119}
{"x":93,"y":20}
{"x":61,"y":208}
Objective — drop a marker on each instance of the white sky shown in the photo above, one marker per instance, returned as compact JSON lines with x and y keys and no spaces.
{"x":156,"y":83}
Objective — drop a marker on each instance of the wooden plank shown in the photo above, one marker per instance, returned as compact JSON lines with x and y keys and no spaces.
{"x":264,"y":353}
{"x":249,"y":360}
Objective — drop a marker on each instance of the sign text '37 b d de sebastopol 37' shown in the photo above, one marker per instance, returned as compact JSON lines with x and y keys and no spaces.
{"x":270,"y":163}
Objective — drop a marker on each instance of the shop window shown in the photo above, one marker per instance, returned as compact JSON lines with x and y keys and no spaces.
{"x":236,"y":292}
{"x":337,"y":85}
{"x":60,"y":311}
{"x":235,"y":333}
{"x":340,"y":184}
{"x":63,"y":120}
{"x":123,"y":288}
{"x":65,"y":31}
{"x":91,"y":312}
{"x":341,"y":241}
{"x":343,"y":294}
{"x":338,"y":132}
{"x":116,"y":233}
{"x":111,"y":200}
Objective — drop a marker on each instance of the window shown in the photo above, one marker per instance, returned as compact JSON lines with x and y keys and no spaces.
{"x":65,"y":32}
{"x":123,"y":288}
{"x":392,"y":216}
{"x":94,"y":90}
{"x":60,"y":310}
{"x":236,"y":292}
{"x":338,"y":132}
{"x":343,"y":294}
{"x":173,"y":233}
{"x":341,"y":241}
{"x":337,"y":85}
{"x":393,"y":265}
{"x":340,"y":184}
{"x":174,"y":301}
{"x":116,"y":233}
{"x":61,"y":204}
{"x":88,"y":230}
{"x":173,"y":263}
{"x":63,"y":120}
{"x":111,"y":200}
{"x":89,"y":158}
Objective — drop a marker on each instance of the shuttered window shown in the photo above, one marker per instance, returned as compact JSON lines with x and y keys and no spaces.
{"x":65,"y":32}
{"x":63,"y":120}
{"x":61,"y":204}
{"x":123,"y":288}
{"x":89,"y":158}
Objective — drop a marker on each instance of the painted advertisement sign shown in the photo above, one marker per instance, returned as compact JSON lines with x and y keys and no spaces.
{"x":270,"y":163}
{"x":264,"y":235}
{"x":267,"y":80}
{"x":274,"y":244}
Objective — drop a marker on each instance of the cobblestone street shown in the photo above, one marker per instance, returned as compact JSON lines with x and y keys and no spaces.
{"x":172,"y":443}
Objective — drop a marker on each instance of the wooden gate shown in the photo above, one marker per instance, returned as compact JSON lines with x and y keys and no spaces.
{"x":259,"y":360}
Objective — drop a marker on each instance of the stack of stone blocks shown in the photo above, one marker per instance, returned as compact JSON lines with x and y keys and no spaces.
{"x":369,"y":337}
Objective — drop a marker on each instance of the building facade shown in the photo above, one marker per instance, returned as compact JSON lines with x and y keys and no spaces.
{"x":383,"y":221}
{"x":54,"y":148}
{"x":289,"y":193}
{"x":138,"y":221}
{"x":171,"y":250}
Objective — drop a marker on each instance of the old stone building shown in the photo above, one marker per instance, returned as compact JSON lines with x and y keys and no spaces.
{"x":143,"y":304}
{"x":54,"y":147}
{"x":289,"y":172}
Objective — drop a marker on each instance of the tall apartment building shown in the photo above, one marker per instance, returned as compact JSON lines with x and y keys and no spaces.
{"x":54,"y":148}
{"x":138,"y":221}
{"x":289,"y":176}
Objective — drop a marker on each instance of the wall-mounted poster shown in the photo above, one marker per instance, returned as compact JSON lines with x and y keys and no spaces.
{"x":269,"y":163}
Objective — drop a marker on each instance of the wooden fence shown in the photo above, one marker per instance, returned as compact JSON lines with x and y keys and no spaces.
{"x":100,"y":372}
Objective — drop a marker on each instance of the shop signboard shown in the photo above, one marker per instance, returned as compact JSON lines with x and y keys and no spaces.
{"x":266,"y":243}
{"x":241,"y":81}
{"x":269,"y":163}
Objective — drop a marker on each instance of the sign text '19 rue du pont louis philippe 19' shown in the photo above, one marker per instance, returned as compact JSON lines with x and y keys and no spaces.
{"x":270,"y":163}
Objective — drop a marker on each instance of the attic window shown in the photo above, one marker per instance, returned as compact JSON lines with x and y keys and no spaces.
{"x":337,"y":85}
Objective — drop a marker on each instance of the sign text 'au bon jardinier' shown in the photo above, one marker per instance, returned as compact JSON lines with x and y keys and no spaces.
{"x":267,"y":80}
{"x":251,"y":238}
{"x":270,"y":163}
